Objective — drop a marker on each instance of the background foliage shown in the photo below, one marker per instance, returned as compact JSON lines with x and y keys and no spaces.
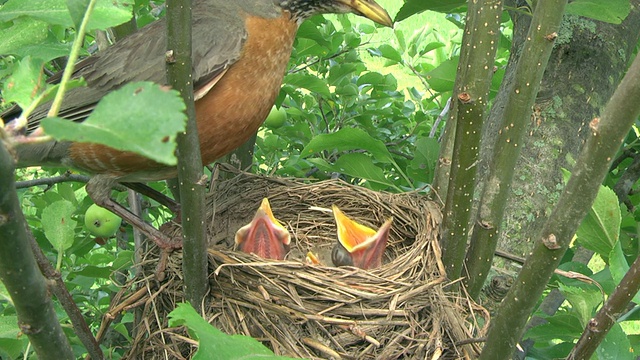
{"x":362,"y":104}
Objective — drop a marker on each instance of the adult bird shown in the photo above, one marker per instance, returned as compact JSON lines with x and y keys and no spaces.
{"x":240,"y":52}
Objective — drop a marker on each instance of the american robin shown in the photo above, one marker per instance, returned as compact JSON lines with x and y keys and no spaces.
{"x":240,"y":52}
{"x":264,"y":236}
{"x":358,"y":245}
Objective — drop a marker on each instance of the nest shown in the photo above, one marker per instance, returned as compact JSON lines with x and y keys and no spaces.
{"x":400,"y":310}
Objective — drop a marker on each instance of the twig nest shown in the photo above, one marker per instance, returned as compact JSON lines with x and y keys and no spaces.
{"x":399,"y":310}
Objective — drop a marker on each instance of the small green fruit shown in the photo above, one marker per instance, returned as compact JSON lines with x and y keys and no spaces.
{"x":101,"y":222}
{"x":276,"y":118}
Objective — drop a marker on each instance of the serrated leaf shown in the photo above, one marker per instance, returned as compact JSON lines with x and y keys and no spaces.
{"x":583,"y":300}
{"x":564,"y":327}
{"x":309,"y":82}
{"x":412,"y":7}
{"x":358,"y":166}
{"x":11,"y":342}
{"x":443,"y":77}
{"x":371,"y":78}
{"x":77,"y":10}
{"x":424,"y":159}
{"x":616,"y":345}
{"x":556,"y":351}
{"x":348,"y":139}
{"x":431,"y":46}
{"x":149,"y":126}
{"x":213,"y":343}
{"x":611,"y":11}
{"x":600,"y":229}
{"x":340,"y":71}
{"x":26,"y":82}
{"x":95,"y":272}
{"x":57,"y":224}
{"x":22,"y":32}
{"x":9,"y":327}
{"x":46,"y":50}
{"x":388,"y":52}
{"x":106,"y":14}
{"x":619,"y":267}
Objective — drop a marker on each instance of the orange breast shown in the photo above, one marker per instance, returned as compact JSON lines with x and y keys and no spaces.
{"x":227,"y":115}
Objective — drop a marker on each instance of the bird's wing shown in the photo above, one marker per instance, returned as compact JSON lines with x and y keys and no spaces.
{"x":218,"y":36}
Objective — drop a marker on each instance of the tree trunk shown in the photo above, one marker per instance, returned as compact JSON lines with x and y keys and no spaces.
{"x":587,"y":63}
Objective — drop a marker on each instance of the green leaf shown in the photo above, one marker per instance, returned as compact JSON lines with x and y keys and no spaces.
{"x":371,"y":78}
{"x":443,"y":77}
{"x":11,"y":341}
{"x":388,"y":52}
{"x":213,"y":343}
{"x":424,"y":159}
{"x":556,"y":351}
{"x":340,"y":71}
{"x":46,"y":51}
{"x":412,"y":7}
{"x":600,"y":229}
{"x":356,"y":165}
{"x":9,"y":327}
{"x":106,"y":14}
{"x":615,"y":346}
{"x":77,"y":10}
{"x":26,"y":83}
{"x":583,"y":301}
{"x":309,"y":82}
{"x":348,"y":139}
{"x":22,"y":32}
{"x":148,"y":127}
{"x":611,"y":11}
{"x":619,"y":267}
{"x":95,"y":272}
{"x":57,"y":224}
{"x":564,"y":327}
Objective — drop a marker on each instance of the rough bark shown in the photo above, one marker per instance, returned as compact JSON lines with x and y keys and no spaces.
{"x":606,"y":134}
{"x":588,"y":61}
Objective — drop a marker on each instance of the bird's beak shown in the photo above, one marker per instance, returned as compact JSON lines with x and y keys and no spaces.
{"x":312,"y":259}
{"x":264,"y":236}
{"x":369,"y":9}
{"x":359,"y":245}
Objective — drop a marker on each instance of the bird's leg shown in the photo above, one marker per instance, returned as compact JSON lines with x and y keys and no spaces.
{"x":99,"y":189}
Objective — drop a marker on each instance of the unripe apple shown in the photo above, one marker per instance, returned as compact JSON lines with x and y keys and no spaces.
{"x":101,"y":222}
{"x":276,"y":118}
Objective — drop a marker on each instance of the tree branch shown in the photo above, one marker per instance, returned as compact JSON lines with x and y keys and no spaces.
{"x":190,"y":175}
{"x":471,"y":95}
{"x":606,"y":135}
{"x":515,"y":122}
{"x":59,"y":289}
{"x":20,"y":274}
{"x":598,"y":327}
{"x":50,"y":181}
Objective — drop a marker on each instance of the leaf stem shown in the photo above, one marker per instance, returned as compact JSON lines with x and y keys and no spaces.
{"x":71,"y":63}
